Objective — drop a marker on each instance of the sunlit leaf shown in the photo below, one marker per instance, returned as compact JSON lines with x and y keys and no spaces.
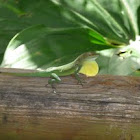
{"x":119,"y":61}
{"x":18,"y":15}
{"x":71,"y":27}
{"x":42,"y":47}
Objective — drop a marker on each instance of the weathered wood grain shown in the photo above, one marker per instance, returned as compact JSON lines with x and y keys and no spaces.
{"x":106,"y":107}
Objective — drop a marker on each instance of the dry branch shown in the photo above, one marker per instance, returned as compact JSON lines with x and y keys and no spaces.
{"x":105,"y":105}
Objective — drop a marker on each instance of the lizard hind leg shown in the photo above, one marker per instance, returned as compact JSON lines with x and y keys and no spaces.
{"x":54,"y":78}
{"x":76,"y":73}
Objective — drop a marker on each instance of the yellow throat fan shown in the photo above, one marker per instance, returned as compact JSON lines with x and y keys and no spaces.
{"x":89,"y":68}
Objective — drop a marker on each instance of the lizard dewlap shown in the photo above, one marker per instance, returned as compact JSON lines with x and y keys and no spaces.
{"x":89,"y":68}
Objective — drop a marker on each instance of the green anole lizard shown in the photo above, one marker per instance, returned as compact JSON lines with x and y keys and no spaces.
{"x":84,"y":64}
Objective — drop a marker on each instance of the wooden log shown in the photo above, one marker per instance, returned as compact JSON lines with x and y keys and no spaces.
{"x":104,"y":108}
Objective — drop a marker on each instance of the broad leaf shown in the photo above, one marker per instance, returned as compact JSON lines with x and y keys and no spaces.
{"x":18,"y":15}
{"x":138,"y":14}
{"x":41,"y":47}
{"x":116,"y":20}
{"x":107,"y":23}
{"x":124,"y":61}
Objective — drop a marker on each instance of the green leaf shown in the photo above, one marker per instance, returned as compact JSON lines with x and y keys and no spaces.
{"x":124,"y":61}
{"x":10,"y":24}
{"x":138,"y":15}
{"x":42,"y":47}
{"x":136,"y":73}
{"x":116,"y":20}
{"x":18,"y":15}
{"x":104,"y":24}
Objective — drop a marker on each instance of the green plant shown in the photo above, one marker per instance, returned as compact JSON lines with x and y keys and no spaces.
{"x":68,"y":29}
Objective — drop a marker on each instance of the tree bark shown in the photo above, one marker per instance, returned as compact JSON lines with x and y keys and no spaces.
{"x":105,"y":107}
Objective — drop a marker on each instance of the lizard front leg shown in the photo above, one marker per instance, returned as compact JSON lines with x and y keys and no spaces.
{"x":54,"y":79}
